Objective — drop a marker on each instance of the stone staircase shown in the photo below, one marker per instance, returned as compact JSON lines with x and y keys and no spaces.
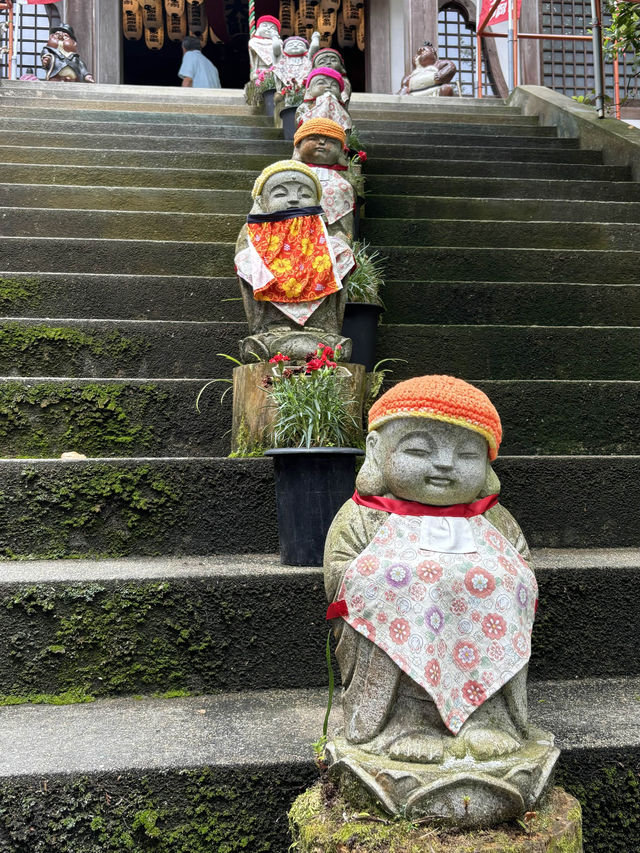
{"x":512,"y":260}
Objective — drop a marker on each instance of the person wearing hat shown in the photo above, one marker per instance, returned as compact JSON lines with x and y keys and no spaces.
{"x":430,"y":590}
{"x":265,"y":47}
{"x":319,"y":142}
{"x":327,"y":57}
{"x":60,"y":58}
{"x":323,"y":98}
{"x":291,"y":270}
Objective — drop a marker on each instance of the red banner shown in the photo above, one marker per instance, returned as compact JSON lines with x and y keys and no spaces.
{"x":500,"y":15}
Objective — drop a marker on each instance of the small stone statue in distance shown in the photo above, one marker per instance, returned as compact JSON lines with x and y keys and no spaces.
{"x":434,"y":601}
{"x":430,"y":76}
{"x":291,"y":271}
{"x":295,"y":64}
{"x":327,"y":57}
{"x":319,"y":143}
{"x":60,"y":58}
{"x":265,"y":47}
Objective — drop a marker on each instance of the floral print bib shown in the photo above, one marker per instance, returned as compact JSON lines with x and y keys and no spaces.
{"x":459,"y":624}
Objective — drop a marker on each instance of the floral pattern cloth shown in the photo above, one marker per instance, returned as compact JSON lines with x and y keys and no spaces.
{"x":459,"y":624}
{"x":289,"y":69}
{"x":338,"y":195}
{"x":324,"y":106}
{"x":263,"y":48}
{"x":294,"y":264}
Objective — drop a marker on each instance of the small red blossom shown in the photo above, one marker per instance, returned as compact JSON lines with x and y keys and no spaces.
{"x":362,"y":156}
{"x":278,"y":357}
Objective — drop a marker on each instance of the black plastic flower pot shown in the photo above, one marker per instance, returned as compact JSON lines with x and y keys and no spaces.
{"x":357,"y":217}
{"x":361,"y":325}
{"x":311,"y":486}
{"x":288,"y":116}
{"x":267,"y":100}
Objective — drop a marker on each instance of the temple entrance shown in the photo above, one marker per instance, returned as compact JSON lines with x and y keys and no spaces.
{"x":152,"y":35}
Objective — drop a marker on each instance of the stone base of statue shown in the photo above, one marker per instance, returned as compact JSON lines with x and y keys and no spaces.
{"x":296,"y":343}
{"x":321,"y":821}
{"x":456,"y":791}
{"x":252,"y":425}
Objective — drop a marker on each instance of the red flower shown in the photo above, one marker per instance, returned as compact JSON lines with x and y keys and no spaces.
{"x":278,"y":357}
{"x":314,"y":364}
{"x":474,"y":693}
{"x":494,"y":626}
{"x":479,"y":582}
{"x":432,"y":673}
{"x":362,"y":155}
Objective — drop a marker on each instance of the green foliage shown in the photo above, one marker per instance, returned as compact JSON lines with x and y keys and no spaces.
{"x":622,"y":36}
{"x":353,"y":140}
{"x":366,"y":280}
{"x":16,"y":293}
{"x":73,"y":696}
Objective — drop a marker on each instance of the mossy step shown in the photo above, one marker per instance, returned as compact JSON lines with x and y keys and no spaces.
{"x":115,"y":348}
{"x":118,"y":507}
{"x":120,"y":224}
{"x":192,"y":774}
{"x":138,"y":297}
{"x":476,"y":263}
{"x":477,"y":186}
{"x":484,"y":234}
{"x":407,"y":121}
{"x":43,"y":417}
{"x":522,"y":303}
{"x":209,"y":624}
{"x":495,"y":168}
{"x":83,"y":113}
{"x":210,"y":130}
{"x":127,"y":198}
{"x":513,"y":352}
{"x":70,"y":140}
{"x":478,"y":207}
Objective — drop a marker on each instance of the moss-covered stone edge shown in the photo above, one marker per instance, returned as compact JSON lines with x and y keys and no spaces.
{"x":210,"y":810}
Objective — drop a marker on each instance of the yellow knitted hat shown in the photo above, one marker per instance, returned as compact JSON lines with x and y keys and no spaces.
{"x":443,"y":398}
{"x":284,"y":166}
{"x":321,"y":127}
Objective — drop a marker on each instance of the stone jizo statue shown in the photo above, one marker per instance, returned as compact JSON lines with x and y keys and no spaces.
{"x":433,"y":602}
{"x":327,"y":57}
{"x":323,"y":98}
{"x":291,"y":271}
{"x":294,"y":64}
{"x":320,"y":143}
{"x":430,"y":76}
{"x":265,"y":47}
{"x":61,"y":59}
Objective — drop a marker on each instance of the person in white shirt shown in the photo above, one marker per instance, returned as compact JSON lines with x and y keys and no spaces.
{"x":196,"y":70}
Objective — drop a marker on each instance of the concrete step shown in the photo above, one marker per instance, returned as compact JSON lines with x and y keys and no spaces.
{"x":494,"y":168}
{"x":226,"y":768}
{"x":446,"y":232}
{"x":115,"y":348}
{"x":400,"y":123}
{"x":477,"y":263}
{"x":459,"y":132}
{"x":127,"y":198}
{"x":542,"y":154}
{"x":121,"y":92}
{"x":177,"y":130}
{"x":49,"y":101}
{"x":475,"y":187}
{"x":82,"y":114}
{"x":513,"y":352}
{"x":45,"y":416}
{"x":209,"y":624}
{"x":519,"y":303}
{"x":459,"y":207}
{"x":171,"y":506}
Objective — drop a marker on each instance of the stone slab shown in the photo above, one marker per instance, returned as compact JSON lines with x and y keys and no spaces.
{"x":494,"y":167}
{"x":82,"y":112}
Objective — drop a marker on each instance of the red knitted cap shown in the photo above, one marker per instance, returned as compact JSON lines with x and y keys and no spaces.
{"x":268,"y":19}
{"x":325,"y":72}
{"x":443,"y":398}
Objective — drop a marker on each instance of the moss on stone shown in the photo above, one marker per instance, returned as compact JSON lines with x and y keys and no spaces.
{"x":74,"y":696}
{"x":20,"y":293}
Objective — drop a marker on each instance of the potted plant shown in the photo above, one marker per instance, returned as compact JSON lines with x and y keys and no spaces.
{"x":265,"y":84}
{"x":292,"y":96}
{"x":364,"y":304}
{"x":314,"y":428}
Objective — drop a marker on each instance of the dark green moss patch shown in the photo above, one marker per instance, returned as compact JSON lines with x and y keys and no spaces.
{"x":220,"y":810}
{"x":19,"y":293}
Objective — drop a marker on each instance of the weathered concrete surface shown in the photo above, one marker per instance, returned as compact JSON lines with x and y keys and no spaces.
{"x":492,"y":168}
{"x":550,"y":153}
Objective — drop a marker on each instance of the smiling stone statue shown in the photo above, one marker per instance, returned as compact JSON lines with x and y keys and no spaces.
{"x":434,"y":601}
{"x":323,"y":98}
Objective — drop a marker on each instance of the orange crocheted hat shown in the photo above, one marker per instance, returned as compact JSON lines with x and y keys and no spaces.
{"x":443,"y":398}
{"x":321,"y":127}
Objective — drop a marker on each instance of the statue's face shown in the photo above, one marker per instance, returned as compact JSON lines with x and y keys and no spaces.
{"x":287,"y":190}
{"x":321,"y":84}
{"x":319,"y":149}
{"x":430,"y":461}
{"x":267,"y":30}
{"x":328,"y":60}
{"x":62,"y":40}
{"x":295,"y":47}
{"x":425,"y":56}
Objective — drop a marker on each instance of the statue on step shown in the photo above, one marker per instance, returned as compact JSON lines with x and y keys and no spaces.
{"x":291,"y":270}
{"x":265,"y":47}
{"x":323,"y":98}
{"x":327,"y":57}
{"x":319,"y":143}
{"x":430,"y":76}
{"x":434,"y":600}
{"x":294,"y":64}
{"x":60,"y":58}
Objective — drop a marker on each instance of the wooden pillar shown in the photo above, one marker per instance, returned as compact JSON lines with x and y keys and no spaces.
{"x":530,"y":49}
{"x":97,"y":26}
{"x":377,"y":56}
{"x":80,"y":14}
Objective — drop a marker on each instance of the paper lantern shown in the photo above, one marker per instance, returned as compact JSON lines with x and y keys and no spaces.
{"x":152,"y":15}
{"x":131,"y":20}
{"x":154,"y":37}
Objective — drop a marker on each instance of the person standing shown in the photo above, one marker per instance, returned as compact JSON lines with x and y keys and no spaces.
{"x":196,"y":70}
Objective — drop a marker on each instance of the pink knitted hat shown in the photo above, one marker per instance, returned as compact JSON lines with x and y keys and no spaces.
{"x":325,"y":72}
{"x":268,"y":19}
